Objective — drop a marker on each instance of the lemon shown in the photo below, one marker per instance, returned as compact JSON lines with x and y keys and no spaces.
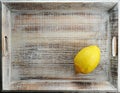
{"x":87,"y":59}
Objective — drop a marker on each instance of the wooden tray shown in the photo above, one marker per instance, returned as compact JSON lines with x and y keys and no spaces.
{"x":41,"y":39}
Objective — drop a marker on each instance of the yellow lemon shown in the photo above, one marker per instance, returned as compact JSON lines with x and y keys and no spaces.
{"x":87,"y":59}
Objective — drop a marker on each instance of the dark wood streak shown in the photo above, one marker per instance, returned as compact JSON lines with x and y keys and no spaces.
{"x":83,"y":85}
{"x":67,"y":6}
{"x":32,"y":28}
{"x":68,"y":28}
{"x":53,"y":78}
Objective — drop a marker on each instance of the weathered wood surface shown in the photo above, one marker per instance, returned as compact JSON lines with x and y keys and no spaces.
{"x":63,"y":86}
{"x":104,"y":6}
{"x":114,"y":33}
{"x":44,"y":45}
{"x":6,"y":49}
{"x":45,"y":41}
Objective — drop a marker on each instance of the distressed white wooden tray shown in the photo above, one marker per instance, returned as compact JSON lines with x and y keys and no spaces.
{"x":40,"y":40}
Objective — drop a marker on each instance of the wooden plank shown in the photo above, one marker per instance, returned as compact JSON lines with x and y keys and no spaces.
{"x":58,"y":27}
{"x":30,"y":71}
{"x":51,"y":16}
{"x":114,"y":33}
{"x":5,"y":48}
{"x":63,"y":86}
{"x":58,"y":36}
{"x":38,"y":52}
{"x":61,"y":5}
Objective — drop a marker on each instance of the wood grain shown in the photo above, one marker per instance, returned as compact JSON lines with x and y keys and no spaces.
{"x":44,"y":39}
{"x":6,"y":56}
{"x":114,"y":33}
{"x":63,"y":86}
{"x":44,"y":45}
{"x":62,"y":6}
{"x":29,"y":71}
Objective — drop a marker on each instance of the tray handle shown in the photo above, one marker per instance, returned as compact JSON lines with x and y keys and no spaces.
{"x":114,"y":46}
{"x":5,"y":46}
